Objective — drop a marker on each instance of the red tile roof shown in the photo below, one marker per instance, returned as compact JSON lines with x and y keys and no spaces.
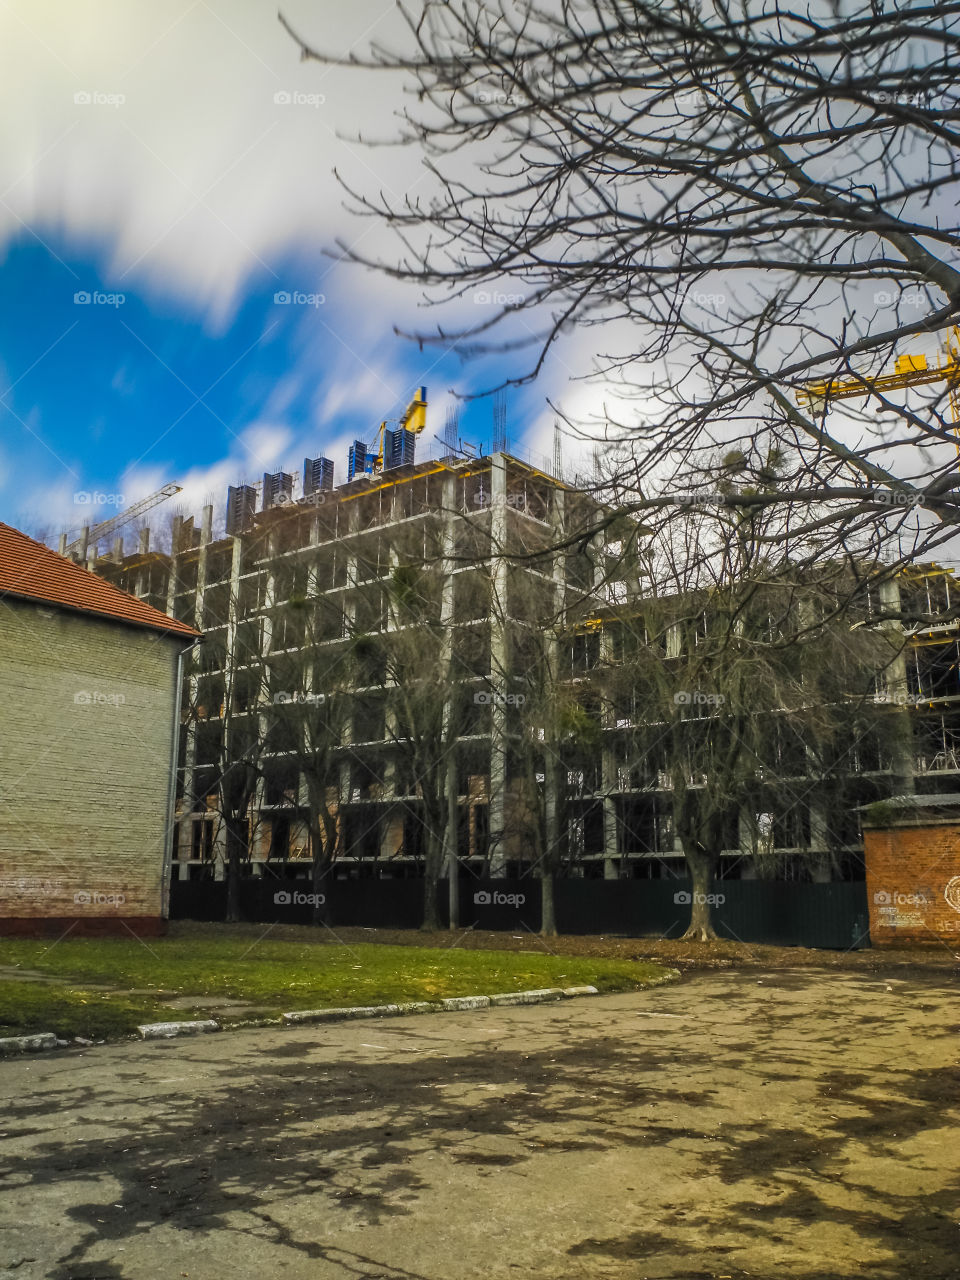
{"x":31,"y":571}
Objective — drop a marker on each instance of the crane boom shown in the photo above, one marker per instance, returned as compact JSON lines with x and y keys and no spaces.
{"x":908,"y":371}
{"x":106,"y":527}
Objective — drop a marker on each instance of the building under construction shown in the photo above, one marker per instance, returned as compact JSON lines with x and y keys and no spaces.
{"x":300,"y":598}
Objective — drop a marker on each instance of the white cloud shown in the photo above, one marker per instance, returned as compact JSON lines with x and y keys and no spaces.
{"x":181,"y":161}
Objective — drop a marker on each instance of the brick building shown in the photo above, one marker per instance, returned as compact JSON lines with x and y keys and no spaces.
{"x":912,"y":856}
{"x":89,"y":681}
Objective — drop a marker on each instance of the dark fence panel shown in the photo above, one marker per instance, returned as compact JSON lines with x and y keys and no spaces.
{"x":381,"y":904}
{"x":765,"y":911}
{"x":198,"y":900}
{"x":637,"y":908}
{"x":805,"y":915}
{"x":503,"y":905}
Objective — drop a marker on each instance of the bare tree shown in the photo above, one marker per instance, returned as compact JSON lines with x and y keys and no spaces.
{"x":739,"y":201}
{"x":742,"y":683}
{"x":422,"y":708}
{"x":554,"y":744}
{"x":312,"y":704}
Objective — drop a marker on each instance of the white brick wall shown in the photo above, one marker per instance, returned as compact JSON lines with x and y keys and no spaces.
{"x":86,"y":722}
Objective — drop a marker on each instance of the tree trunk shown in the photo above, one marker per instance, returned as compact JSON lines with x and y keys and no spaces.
{"x":317,"y":870}
{"x":432,"y":861}
{"x":235,"y":844}
{"x":453,"y":887}
{"x":548,"y":915}
{"x":701,"y":910}
{"x":431,"y":914}
{"x":453,"y":852}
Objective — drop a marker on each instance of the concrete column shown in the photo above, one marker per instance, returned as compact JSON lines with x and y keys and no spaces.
{"x":902,"y":757}
{"x":174,"y":559}
{"x":191,"y":690}
{"x":450,"y":729}
{"x":610,"y":778}
{"x":745,"y":841}
{"x":673,"y":641}
{"x":498,"y":664}
{"x":555,"y":780}
{"x":143,"y":573}
{"x":189,"y":777}
{"x":263,"y":836}
{"x":351,"y":515}
{"x":205,"y":539}
{"x":229,"y":680}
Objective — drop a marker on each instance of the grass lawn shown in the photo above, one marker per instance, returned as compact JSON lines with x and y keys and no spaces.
{"x":201,"y":966}
{"x":69,"y":1010}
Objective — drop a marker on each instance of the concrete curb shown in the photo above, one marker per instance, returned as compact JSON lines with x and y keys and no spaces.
{"x":671,"y":975}
{"x":541,"y":996}
{"x":46,"y":1040}
{"x":452,"y":1004}
{"x":167,"y":1030}
{"x":12,"y":1045}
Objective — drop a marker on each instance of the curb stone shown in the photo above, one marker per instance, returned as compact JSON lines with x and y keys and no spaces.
{"x":453,"y":1003}
{"x":27,"y":1044}
{"x":539,"y":997}
{"x":340,"y":1015}
{"x":166,"y":1030}
{"x":671,"y":975}
{"x":46,"y":1040}
{"x":298,"y":1016}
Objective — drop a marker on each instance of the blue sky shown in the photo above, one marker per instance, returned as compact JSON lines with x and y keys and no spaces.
{"x":176,"y":168}
{"x":107,"y":395}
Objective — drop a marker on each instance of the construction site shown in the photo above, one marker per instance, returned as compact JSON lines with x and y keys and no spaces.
{"x":374,"y":651}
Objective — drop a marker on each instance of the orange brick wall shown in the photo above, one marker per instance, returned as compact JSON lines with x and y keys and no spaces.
{"x":913,"y":884}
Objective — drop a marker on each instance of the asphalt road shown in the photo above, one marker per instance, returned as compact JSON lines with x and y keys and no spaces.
{"x":797,"y":1124}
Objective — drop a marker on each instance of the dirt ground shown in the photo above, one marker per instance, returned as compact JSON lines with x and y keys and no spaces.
{"x":678,"y":954}
{"x":798,"y":1123}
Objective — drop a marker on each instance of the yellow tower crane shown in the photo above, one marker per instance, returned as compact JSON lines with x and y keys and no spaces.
{"x":908,"y":371}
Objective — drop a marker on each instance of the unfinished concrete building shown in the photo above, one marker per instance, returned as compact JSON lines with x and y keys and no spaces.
{"x":341,"y":549}
{"x":303,"y":593}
